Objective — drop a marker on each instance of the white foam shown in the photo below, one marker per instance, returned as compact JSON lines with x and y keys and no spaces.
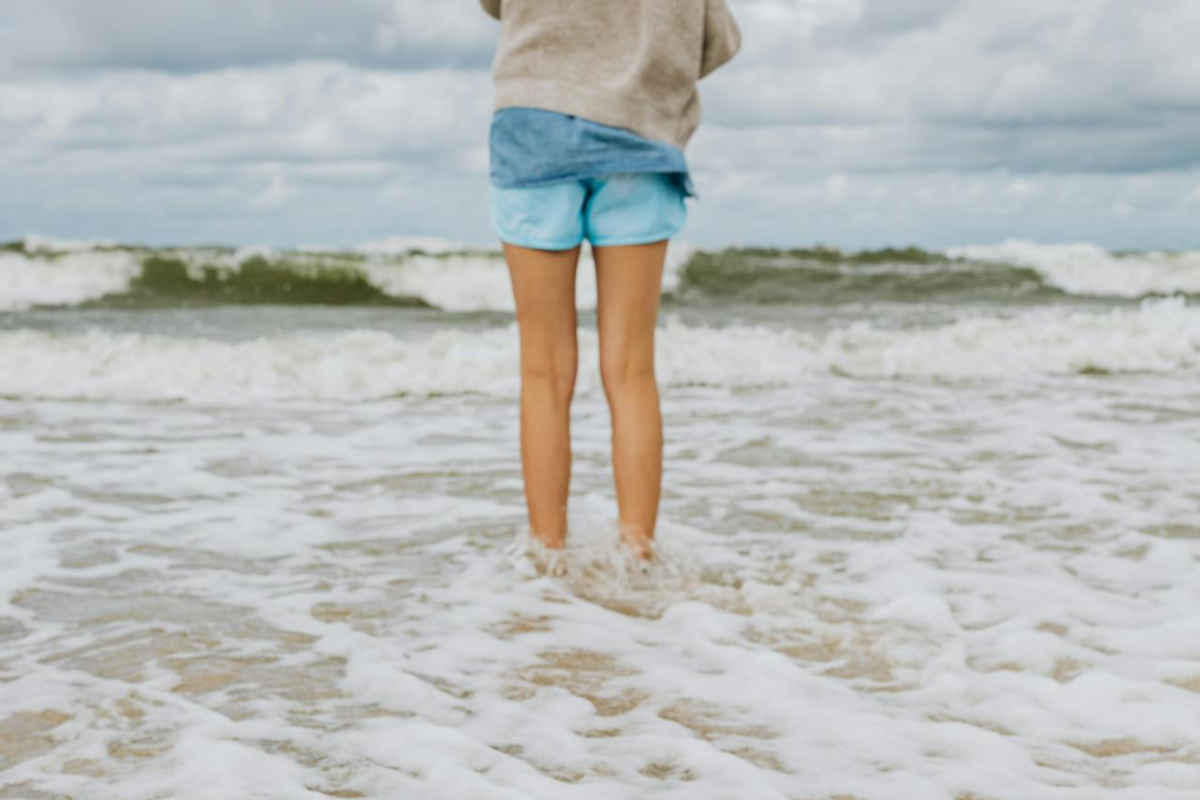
{"x":473,"y":282}
{"x":1160,"y":336}
{"x":401,"y":245}
{"x":242,"y":254}
{"x":472,"y":279}
{"x":35,"y":243}
{"x":70,"y":276}
{"x":1085,"y":268}
{"x":910,"y":590}
{"x":595,"y":565}
{"x":459,"y":276}
{"x":480,"y":281}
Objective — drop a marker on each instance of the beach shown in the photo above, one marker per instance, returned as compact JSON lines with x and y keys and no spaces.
{"x":930,"y":530}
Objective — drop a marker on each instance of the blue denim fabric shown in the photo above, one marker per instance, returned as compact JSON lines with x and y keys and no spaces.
{"x":618,"y":208}
{"x":532,"y":146}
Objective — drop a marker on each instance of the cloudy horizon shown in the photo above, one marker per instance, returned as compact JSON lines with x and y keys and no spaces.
{"x":856,"y":123}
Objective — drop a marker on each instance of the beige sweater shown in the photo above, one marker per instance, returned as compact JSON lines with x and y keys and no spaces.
{"x":629,"y":63}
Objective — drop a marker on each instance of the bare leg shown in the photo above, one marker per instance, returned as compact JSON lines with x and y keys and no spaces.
{"x":628,"y":283}
{"x":543,"y":283}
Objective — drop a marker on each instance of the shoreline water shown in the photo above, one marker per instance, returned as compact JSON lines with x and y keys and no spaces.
{"x":919,"y":548}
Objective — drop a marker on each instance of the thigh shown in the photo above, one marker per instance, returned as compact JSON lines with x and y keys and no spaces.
{"x":633,"y":208}
{"x":545,"y":217}
{"x":628,"y":285}
{"x":543,"y":284}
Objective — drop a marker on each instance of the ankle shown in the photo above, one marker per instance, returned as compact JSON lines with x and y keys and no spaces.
{"x":550,"y":541}
{"x":636,"y":537}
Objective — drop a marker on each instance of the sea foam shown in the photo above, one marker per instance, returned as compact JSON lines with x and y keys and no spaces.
{"x":1158,"y":336}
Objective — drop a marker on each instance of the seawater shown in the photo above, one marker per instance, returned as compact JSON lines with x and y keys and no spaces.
{"x":930,"y":528}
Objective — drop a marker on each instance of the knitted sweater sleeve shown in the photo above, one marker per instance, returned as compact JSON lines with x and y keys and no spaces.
{"x":722,"y":37}
{"x":491,"y":7}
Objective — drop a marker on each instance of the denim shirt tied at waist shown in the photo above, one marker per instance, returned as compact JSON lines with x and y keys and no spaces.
{"x":530,"y":146}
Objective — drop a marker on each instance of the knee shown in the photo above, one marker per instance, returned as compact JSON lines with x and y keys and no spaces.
{"x":622,"y":371}
{"x":553,"y":371}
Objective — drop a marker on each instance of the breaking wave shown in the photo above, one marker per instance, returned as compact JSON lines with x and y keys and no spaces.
{"x":1157,"y":335}
{"x":45,"y":273}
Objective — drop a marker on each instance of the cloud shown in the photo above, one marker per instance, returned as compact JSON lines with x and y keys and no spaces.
{"x":839,"y":118}
{"x":275,"y":194}
{"x":889,"y":17}
{"x":309,"y":111}
{"x":968,"y":62}
{"x":185,"y":36}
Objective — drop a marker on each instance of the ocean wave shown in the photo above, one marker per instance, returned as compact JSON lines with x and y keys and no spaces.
{"x":1159,"y":335}
{"x":403,"y":271}
{"x":1087,"y":269}
{"x":439,"y":273}
{"x":826,"y":276}
{"x":31,"y":278}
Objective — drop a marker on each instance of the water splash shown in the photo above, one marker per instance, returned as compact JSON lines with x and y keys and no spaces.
{"x":595,"y":566}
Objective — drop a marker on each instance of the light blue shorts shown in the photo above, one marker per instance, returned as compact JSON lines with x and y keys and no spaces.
{"x":619,"y":208}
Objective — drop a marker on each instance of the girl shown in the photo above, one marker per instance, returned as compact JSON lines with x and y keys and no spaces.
{"x":595,"y":102}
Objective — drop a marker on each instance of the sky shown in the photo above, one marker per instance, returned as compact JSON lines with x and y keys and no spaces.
{"x":853,"y":123}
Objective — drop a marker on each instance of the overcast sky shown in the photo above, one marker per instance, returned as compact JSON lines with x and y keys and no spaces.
{"x":858,"y":123}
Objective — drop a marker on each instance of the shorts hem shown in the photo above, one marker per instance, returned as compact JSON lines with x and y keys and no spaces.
{"x":643,"y":239}
{"x":534,"y":245}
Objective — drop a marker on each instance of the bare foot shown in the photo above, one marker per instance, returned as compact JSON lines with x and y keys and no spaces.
{"x":635,"y":539}
{"x":549,"y":557}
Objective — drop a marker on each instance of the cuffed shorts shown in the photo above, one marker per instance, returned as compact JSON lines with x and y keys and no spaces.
{"x":619,"y":208}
